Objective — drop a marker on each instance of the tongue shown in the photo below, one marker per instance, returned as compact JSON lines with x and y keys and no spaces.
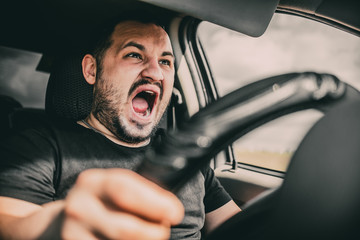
{"x":140,"y":105}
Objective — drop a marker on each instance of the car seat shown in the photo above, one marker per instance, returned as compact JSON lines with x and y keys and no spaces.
{"x":68,"y":95}
{"x":8,"y":106}
{"x":14,"y":117}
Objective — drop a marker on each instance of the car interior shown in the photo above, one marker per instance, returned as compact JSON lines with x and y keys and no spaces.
{"x":316,"y":196}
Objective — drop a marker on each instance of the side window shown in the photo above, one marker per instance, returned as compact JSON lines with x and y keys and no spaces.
{"x":19,"y":78}
{"x":290,"y":44}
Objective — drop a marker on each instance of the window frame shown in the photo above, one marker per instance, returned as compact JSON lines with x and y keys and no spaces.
{"x":208,"y":83}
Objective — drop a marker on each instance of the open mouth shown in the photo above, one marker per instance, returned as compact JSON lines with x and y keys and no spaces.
{"x":143,"y":103}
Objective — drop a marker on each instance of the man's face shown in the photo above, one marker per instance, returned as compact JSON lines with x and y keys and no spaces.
{"x":134,"y":86}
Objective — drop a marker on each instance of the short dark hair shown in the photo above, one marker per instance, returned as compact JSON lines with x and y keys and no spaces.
{"x":103,"y":41}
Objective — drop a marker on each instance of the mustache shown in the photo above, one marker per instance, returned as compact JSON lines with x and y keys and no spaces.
{"x":144,"y":81}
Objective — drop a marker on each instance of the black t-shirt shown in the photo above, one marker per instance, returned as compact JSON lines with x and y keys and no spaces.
{"x":41,"y":165}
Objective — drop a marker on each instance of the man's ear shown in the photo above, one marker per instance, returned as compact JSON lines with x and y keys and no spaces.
{"x":89,"y":69}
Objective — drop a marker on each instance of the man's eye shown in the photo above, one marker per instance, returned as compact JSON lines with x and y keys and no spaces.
{"x":134,"y":55}
{"x":165,"y":62}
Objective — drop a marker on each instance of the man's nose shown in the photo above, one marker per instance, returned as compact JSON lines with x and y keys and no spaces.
{"x":152,"y":71}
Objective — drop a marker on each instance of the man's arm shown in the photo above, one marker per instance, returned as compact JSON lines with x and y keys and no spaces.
{"x":24,"y":220}
{"x":215,"y":218}
{"x":218,"y":203}
{"x":103,"y":203}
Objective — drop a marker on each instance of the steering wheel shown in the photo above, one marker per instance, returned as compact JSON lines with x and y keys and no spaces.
{"x":181,"y":154}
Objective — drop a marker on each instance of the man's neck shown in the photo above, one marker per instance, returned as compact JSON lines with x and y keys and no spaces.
{"x":92,"y":123}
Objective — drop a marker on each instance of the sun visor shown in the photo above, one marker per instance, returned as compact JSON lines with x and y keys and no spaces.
{"x":248,"y":17}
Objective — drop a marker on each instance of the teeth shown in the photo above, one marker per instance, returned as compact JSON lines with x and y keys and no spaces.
{"x":150,"y":92}
{"x":147,"y":112}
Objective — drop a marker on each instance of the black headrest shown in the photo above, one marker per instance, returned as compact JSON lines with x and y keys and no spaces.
{"x":68,"y":95}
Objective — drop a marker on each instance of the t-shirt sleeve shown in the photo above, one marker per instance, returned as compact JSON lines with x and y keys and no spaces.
{"x":215,"y":194}
{"x":27,"y":167}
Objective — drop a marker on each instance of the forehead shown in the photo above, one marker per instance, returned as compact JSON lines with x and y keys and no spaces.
{"x":127,"y":31}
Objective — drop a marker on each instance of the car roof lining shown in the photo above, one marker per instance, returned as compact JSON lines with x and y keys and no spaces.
{"x":327,"y":11}
{"x":248,"y":17}
{"x":52,"y":26}
{"x":48,"y":25}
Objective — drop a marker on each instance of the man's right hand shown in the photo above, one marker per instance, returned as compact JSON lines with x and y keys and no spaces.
{"x":107,"y":203}
{"x":119,"y":204}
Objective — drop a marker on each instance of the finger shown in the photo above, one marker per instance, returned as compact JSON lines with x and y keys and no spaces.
{"x":126,"y":226}
{"x":152,"y":202}
{"x":95,"y":217}
{"x":132,"y":193}
{"x":73,"y":229}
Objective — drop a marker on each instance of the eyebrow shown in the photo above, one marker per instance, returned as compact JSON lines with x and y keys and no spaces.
{"x":167,"y":54}
{"x":134,"y":44}
{"x":142,"y":48}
